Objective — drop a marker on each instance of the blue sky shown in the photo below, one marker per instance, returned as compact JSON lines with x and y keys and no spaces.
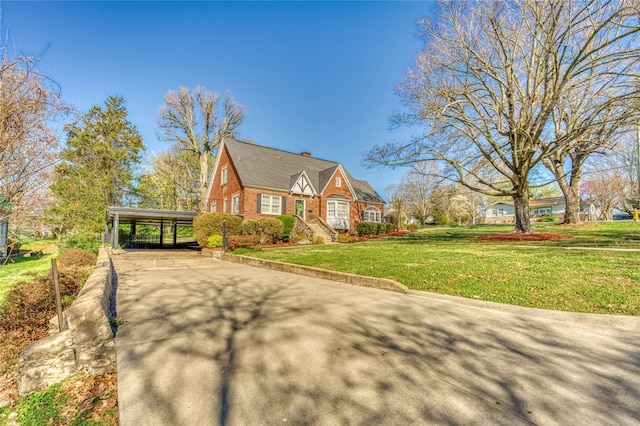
{"x":313,"y":76}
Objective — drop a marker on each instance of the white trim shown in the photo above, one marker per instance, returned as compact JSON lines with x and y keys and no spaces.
{"x":368,"y":211}
{"x":344,"y":176}
{"x":271,"y":204}
{"x":224,"y":175}
{"x":337,"y":221}
{"x":304,"y":185}
{"x":235,"y":208}
{"x":216,"y":164}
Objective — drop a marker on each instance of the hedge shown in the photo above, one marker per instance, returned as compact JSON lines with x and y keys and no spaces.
{"x":269,"y":230}
{"x":289,"y":222}
{"x":365,"y":229}
{"x":208,"y":224}
{"x":235,"y":242}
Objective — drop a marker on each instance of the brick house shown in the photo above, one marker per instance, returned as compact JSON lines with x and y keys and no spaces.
{"x":255,"y":181}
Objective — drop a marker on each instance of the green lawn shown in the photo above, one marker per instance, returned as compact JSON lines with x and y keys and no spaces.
{"x":537,"y":274}
{"x":24,"y":268}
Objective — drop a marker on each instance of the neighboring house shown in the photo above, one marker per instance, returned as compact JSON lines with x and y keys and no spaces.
{"x":504,"y":211}
{"x":255,"y":181}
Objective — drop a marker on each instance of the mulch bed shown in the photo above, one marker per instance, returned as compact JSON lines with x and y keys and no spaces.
{"x":517,"y":237}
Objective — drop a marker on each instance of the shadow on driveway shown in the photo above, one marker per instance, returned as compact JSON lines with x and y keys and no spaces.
{"x":206,"y":342}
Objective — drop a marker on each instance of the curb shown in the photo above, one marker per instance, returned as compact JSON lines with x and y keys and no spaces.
{"x":310,"y":271}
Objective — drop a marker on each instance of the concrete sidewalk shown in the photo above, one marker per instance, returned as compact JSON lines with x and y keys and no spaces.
{"x":206,"y":342}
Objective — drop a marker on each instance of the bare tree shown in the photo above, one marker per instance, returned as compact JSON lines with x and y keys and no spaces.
{"x":624,"y":159}
{"x":172,"y":183}
{"x":30,"y":106}
{"x":606,"y":189}
{"x":399,"y":212}
{"x":196,"y":120}
{"x":416,"y":187}
{"x":459,"y":207}
{"x":492,"y":75}
{"x":598,"y":112}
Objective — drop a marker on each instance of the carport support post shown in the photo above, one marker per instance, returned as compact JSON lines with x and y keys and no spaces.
{"x":161,"y":232}
{"x":175,"y":233}
{"x":114,"y":231}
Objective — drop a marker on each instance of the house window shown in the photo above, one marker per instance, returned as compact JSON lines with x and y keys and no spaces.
{"x":235,"y":204}
{"x":270,"y":204}
{"x":338,"y":181}
{"x":542,"y":211}
{"x":338,"y":214}
{"x":343,"y":210}
{"x":224,"y":205}
{"x":223,"y":175}
{"x":372,"y":214}
{"x":212,"y":208}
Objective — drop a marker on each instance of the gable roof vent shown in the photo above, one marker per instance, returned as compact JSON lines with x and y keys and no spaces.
{"x":305,"y":154}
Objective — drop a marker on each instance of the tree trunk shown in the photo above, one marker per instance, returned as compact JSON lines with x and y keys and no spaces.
{"x":521,"y":204}
{"x":204,"y":171}
{"x":571,"y":189}
{"x":569,"y":183}
{"x":572,"y":204}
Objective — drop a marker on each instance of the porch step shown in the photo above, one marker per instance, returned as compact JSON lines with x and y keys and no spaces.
{"x":320,"y":231}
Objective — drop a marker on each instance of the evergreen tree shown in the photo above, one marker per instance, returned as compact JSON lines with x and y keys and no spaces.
{"x":98,"y":162}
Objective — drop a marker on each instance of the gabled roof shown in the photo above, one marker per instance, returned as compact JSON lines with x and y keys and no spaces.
{"x":300,"y":184}
{"x":263,"y":167}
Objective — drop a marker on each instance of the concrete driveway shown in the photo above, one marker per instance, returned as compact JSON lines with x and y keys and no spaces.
{"x":206,"y":342}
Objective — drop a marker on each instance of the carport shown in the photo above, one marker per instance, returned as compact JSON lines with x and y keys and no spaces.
{"x":117,"y":216}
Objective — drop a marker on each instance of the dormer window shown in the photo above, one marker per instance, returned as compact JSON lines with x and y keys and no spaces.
{"x":338,"y":182}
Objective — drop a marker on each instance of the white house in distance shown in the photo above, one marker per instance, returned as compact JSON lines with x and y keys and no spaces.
{"x":504,"y":211}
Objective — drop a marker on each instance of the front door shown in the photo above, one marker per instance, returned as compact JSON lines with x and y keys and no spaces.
{"x":300,"y":208}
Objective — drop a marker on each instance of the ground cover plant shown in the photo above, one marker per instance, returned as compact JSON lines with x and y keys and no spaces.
{"x":80,"y":400}
{"x":594,"y":270}
{"x":25,"y":311}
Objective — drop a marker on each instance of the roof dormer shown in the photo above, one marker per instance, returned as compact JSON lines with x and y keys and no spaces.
{"x":301,"y":184}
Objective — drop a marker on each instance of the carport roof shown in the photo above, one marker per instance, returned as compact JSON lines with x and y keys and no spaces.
{"x":150,"y":216}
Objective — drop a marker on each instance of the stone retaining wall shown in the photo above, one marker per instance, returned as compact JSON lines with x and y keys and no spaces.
{"x":380,"y":283}
{"x":87,"y":344}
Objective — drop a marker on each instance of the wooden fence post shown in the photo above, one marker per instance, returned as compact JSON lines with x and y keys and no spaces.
{"x":56,"y":286}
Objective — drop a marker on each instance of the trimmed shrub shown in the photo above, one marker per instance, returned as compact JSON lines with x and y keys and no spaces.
{"x":269,"y":230}
{"x":84,"y":241}
{"x":297,"y":236}
{"x":367,"y":228}
{"x":413,"y":227}
{"x":288,"y":221}
{"x":242,"y":241}
{"x":249,"y":227}
{"x":441,"y":219}
{"x":208,"y":224}
{"x":347,"y":238}
{"x":385,"y":227}
{"x":214,"y":241}
{"x":549,"y":219}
